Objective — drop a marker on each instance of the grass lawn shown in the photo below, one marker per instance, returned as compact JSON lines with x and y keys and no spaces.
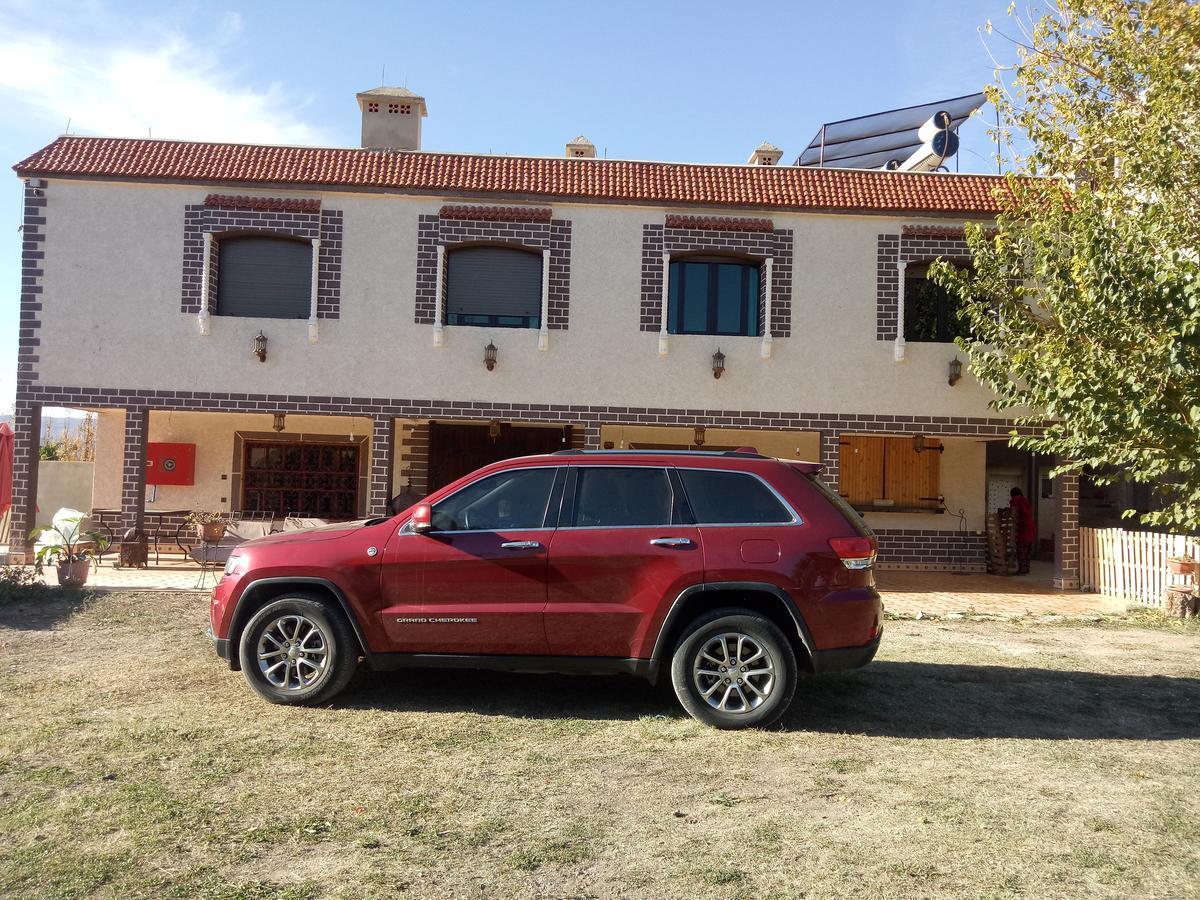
{"x":971,"y":759}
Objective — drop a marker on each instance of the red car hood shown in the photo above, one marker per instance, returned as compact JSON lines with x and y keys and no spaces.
{"x":319,"y":533}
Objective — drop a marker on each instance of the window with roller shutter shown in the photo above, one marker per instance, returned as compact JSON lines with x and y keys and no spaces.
{"x":874,"y":468}
{"x":494,"y":286}
{"x":265,"y":277}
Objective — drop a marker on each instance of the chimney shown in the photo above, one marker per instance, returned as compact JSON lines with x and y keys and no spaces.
{"x":391,"y":118}
{"x":581,"y":148}
{"x":765,"y":155}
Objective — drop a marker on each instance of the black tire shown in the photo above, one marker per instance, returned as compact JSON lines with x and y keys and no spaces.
{"x":338,"y":663}
{"x":770,"y":694}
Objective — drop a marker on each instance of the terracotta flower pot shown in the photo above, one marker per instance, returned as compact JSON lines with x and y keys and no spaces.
{"x":211,"y":532}
{"x":74,"y":574}
{"x":1182,"y":565}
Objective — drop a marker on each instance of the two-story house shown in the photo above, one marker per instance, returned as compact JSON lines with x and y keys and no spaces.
{"x":325,"y":328}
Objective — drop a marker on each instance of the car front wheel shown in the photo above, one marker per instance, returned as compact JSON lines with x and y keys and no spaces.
{"x":734,"y":669}
{"x":297,"y":650}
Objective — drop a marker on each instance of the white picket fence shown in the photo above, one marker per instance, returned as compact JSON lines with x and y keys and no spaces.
{"x":1132,"y":565}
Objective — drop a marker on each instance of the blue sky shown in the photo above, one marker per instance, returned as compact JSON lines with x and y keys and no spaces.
{"x":694,"y":81}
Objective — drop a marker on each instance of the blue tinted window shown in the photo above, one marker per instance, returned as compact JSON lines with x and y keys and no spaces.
{"x":713,"y":297}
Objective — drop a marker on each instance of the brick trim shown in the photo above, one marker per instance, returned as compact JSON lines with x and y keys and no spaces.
{"x":383,"y":449}
{"x":718,"y":223}
{"x":553,"y":235}
{"x":1066,"y":532}
{"x":498,"y":213}
{"x":913,"y":244}
{"x":551,"y":413}
{"x":958,"y":551}
{"x":755,"y":245}
{"x":269,"y":204}
{"x":33,"y":257}
{"x":133,"y":470}
{"x":325,"y":224}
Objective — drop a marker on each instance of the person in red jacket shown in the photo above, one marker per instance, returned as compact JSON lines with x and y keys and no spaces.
{"x":1026,"y":528}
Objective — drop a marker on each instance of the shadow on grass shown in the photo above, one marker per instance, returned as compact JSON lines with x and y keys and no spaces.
{"x":887,"y":699}
{"x":41,"y":607}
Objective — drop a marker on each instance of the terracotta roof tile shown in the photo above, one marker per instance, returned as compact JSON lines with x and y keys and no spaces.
{"x":719,"y":223}
{"x":498,"y":213}
{"x":781,"y":187}
{"x":274,"y":204}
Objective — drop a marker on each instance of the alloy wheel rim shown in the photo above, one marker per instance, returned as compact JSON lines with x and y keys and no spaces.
{"x":293,"y":653}
{"x":733,"y":673}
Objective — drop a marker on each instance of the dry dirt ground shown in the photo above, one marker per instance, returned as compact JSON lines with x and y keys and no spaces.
{"x":971,"y":759}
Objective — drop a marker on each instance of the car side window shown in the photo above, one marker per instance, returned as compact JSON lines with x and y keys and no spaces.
{"x":500,"y":502}
{"x":614,"y":497}
{"x":731,"y":498}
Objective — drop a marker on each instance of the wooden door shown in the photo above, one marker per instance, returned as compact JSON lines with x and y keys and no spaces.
{"x":458,"y":448}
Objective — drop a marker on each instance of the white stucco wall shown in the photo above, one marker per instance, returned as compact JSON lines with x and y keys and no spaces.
{"x":62,"y":483}
{"x":112,"y":287}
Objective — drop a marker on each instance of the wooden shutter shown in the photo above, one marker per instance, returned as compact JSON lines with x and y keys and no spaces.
{"x":912,"y":478}
{"x":874,"y":468}
{"x":494,"y":281}
{"x":267,"y":277}
{"x":860,"y":468}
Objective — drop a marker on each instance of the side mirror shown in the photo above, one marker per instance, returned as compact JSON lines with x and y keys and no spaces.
{"x":422,"y":518}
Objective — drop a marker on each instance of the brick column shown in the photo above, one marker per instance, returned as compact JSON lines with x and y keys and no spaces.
{"x":1066,"y":531}
{"x":133,"y":470}
{"x":383,"y":454}
{"x":830,"y":453}
{"x":27,"y":430}
{"x":590,"y":432}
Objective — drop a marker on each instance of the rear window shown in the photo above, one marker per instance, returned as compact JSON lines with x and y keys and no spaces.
{"x":852,"y":516}
{"x":731,"y":498}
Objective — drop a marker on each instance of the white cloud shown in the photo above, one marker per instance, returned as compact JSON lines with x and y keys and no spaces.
{"x":130,"y":80}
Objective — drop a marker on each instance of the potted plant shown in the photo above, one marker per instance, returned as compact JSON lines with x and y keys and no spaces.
{"x":1182,"y":565}
{"x":68,"y":546}
{"x":210,"y":527}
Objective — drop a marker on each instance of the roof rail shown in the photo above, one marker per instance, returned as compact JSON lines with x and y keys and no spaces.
{"x":743,"y":453}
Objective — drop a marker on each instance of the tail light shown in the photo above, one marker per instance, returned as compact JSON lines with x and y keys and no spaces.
{"x":854,"y":552}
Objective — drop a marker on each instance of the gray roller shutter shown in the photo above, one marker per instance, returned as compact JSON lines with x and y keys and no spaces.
{"x":267,"y":277}
{"x":494,"y":281}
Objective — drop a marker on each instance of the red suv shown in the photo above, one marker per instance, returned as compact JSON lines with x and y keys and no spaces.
{"x":733,"y":571}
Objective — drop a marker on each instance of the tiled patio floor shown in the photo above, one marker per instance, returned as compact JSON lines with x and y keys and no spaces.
{"x":944,"y":593}
{"x":904,"y":593}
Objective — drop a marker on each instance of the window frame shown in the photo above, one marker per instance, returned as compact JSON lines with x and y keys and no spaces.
{"x":533,"y":322}
{"x":549,"y":517}
{"x":751,"y":302}
{"x":228,"y":238}
{"x":943,"y":332}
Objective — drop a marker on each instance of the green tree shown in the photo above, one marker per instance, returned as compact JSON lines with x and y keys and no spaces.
{"x":1084,"y":301}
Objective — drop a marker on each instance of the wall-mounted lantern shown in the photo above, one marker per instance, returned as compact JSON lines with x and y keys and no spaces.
{"x":698,"y":436}
{"x":955,"y":371}
{"x":489,"y":356}
{"x":494,"y":430}
{"x":718,"y":363}
{"x":260,"y":346}
{"x":279,"y":423}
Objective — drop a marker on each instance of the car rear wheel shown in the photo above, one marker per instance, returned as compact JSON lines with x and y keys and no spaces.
{"x":298,"y":650}
{"x":734,"y":669}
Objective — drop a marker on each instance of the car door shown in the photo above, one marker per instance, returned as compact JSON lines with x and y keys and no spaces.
{"x":748,"y":528}
{"x":483,"y":566}
{"x":621,"y":549}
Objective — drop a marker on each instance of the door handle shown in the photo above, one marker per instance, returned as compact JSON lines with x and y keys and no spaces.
{"x":672,"y":542}
{"x":521,"y":545}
